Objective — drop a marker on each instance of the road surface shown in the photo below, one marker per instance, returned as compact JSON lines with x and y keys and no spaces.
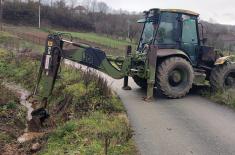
{"x":188,"y":126}
{"x":192,"y":125}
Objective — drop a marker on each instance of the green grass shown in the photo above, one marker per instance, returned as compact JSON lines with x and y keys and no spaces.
{"x":106,"y":43}
{"x":12,"y":116}
{"x":32,"y":47}
{"x":5,"y":138}
{"x":17,"y":69}
{"x":99,"y":39}
{"x":92,"y":118}
{"x":102,"y":40}
{"x":21,"y":28}
{"x":5,"y":37}
{"x":222,"y":97}
{"x":89,"y":135}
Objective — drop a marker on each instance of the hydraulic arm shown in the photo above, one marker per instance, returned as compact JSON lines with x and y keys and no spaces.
{"x":142,"y":65}
{"x":80,"y":53}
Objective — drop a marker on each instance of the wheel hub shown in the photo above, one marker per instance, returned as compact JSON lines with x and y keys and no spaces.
{"x":175,"y":78}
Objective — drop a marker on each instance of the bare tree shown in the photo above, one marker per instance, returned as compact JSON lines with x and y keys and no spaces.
{"x":61,"y":4}
{"x":87,"y":4}
{"x":93,"y":6}
{"x":73,"y":3}
{"x":102,"y":7}
{"x":51,"y":3}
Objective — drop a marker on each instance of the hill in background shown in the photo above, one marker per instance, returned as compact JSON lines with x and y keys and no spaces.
{"x":97,"y":17}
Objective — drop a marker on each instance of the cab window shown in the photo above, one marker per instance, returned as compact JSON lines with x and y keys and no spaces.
{"x":168,"y":29}
{"x":189,"y":31}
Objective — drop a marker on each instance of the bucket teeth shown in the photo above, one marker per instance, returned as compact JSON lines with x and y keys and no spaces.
{"x":41,"y":114}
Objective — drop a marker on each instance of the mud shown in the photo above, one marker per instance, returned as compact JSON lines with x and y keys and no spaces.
{"x":29,"y":136}
{"x":23,"y":94}
{"x":31,"y":126}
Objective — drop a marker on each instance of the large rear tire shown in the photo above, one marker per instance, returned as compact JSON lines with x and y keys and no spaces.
{"x":142,"y":83}
{"x":175,"y":77}
{"x":223,"y":77}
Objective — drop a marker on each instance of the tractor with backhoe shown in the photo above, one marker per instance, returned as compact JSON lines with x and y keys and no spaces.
{"x":171,"y":56}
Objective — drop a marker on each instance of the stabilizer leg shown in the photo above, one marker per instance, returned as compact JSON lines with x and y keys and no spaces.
{"x":152,"y":61}
{"x":46,"y":79}
{"x":125,"y":84}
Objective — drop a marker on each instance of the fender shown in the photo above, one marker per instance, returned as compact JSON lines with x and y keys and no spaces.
{"x":226,"y":59}
{"x":161,"y":53}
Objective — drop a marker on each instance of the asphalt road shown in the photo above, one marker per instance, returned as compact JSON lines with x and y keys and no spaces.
{"x":188,"y":126}
{"x":192,"y":125}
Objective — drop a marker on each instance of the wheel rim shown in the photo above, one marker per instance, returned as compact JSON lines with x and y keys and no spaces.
{"x":229,"y":81}
{"x":178,"y":77}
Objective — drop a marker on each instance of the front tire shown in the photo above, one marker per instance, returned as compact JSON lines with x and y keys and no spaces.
{"x":223,"y":77}
{"x":175,"y":77}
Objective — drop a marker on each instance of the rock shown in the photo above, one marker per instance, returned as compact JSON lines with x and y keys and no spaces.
{"x":29,"y":136}
{"x":35,"y":147}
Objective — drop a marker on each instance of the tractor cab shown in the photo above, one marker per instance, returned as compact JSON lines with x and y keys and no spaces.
{"x":174,"y":29}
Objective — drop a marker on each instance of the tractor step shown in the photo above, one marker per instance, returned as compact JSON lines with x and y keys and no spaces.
{"x":134,"y":70}
{"x":199,"y":78}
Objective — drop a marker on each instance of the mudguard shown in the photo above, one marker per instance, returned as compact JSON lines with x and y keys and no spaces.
{"x":172,"y":52}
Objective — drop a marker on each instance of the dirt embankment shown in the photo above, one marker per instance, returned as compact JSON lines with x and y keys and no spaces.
{"x":12,"y":120}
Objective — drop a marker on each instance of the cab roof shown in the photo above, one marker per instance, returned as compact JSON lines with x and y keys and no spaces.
{"x":180,"y":11}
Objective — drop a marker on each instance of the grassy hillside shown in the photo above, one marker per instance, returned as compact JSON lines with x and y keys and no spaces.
{"x":108,"y":44}
{"x":102,"y":40}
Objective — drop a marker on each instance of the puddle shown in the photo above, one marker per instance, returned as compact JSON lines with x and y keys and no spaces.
{"x":24,"y":94}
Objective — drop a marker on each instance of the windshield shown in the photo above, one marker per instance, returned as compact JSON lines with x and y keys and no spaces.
{"x":147,"y":35}
{"x":168,"y":31}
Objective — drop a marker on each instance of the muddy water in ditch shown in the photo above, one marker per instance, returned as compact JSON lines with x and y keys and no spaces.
{"x":24,"y":94}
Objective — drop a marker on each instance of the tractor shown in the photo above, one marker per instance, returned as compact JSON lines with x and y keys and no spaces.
{"x":183,"y":59}
{"x":171,"y":55}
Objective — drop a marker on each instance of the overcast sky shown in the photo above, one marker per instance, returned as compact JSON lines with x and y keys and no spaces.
{"x":219,"y":11}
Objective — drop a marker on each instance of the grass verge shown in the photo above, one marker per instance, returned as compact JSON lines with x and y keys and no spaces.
{"x":222,"y":97}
